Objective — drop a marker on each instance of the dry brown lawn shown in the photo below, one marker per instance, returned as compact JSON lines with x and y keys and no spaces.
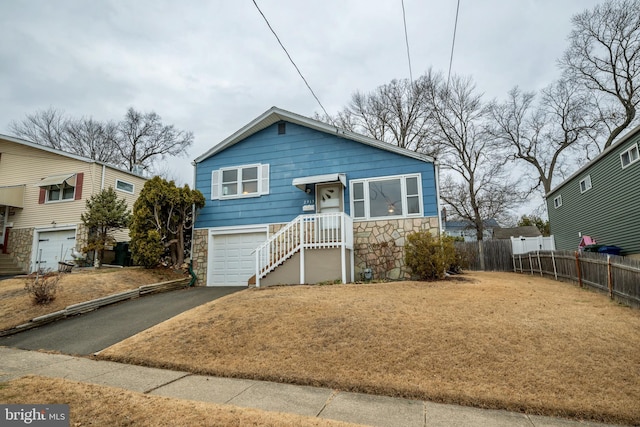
{"x":94,"y":405}
{"x":16,"y":306}
{"x":492,"y":340}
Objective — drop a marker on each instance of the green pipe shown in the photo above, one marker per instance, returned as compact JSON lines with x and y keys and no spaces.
{"x":194,"y":278}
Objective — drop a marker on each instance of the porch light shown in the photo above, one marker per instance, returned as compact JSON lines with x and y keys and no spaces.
{"x":391,"y":209}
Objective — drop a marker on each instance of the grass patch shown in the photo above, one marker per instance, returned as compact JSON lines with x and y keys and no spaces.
{"x":493,"y":340}
{"x":17,"y":307}
{"x":96,"y":405}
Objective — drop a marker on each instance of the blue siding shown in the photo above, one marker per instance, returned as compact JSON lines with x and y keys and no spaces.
{"x":298,"y":153}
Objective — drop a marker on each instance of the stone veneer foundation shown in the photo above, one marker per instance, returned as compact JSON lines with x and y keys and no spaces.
{"x":19,"y":246}
{"x":200,"y":255}
{"x":378,"y":245}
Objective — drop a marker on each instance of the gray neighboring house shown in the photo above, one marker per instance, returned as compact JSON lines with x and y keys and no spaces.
{"x":601,"y":200}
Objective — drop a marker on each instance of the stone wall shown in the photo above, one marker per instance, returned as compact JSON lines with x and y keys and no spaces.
{"x":379,"y":245}
{"x":19,"y":246}
{"x":200,"y":254}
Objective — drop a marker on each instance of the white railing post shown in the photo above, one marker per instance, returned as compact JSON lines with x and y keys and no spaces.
{"x":301,"y":225}
{"x":258,"y":267}
{"x":343,"y":249}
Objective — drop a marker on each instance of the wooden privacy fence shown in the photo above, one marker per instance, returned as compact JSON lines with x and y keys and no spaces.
{"x":497,"y":255}
{"x":616,"y":275}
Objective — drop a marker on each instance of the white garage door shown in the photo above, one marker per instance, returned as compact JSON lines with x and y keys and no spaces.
{"x":233,"y":260}
{"x":54,"y":246}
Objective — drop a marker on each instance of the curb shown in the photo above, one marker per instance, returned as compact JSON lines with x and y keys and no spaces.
{"x":85,"y":307}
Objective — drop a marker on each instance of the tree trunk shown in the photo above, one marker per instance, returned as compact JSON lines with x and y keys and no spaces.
{"x":180,"y":235}
{"x":481,"y":255}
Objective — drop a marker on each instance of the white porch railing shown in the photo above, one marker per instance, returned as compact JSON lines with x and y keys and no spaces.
{"x":315,"y":231}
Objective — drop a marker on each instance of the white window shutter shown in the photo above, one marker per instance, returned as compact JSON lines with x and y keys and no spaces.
{"x":264,"y":179}
{"x":215,"y":185}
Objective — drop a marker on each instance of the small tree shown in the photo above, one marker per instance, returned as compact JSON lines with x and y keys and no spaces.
{"x":105,"y":214}
{"x":430,"y":257}
{"x":169,"y":211}
{"x":540,"y":223}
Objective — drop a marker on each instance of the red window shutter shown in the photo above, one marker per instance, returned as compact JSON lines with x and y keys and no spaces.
{"x":43,"y":196}
{"x":79,"y":180}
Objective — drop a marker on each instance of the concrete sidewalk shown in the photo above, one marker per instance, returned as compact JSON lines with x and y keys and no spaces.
{"x":302,"y":400}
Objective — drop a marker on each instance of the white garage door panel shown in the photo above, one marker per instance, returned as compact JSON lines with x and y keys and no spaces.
{"x":52,"y":247}
{"x":233,"y":258}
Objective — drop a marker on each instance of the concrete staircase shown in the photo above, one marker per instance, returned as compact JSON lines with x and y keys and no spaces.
{"x":8,"y":266}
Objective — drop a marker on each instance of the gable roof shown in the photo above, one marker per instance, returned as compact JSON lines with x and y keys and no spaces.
{"x":52,"y":150}
{"x":523,"y":231}
{"x":633,"y":132}
{"x":275,"y":115}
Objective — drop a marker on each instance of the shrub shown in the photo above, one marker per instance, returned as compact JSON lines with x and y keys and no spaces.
{"x":147,"y":248}
{"x":429,"y":257}
{"x":43,"y":286}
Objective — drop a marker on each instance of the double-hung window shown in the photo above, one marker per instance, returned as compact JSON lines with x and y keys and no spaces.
{"x":557,"y":201}
{"x":629,"y":156}
{"x":384,"y":197}
{"x":60,"y":188}
{"x":59,"y":192}
{"x":585,"y":184}
{"x":240,"y":181}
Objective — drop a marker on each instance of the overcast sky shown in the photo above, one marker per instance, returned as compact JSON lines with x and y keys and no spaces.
{"x":212,"y":66}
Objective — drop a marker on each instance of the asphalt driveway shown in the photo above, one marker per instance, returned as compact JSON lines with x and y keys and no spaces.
{"x":97,"y":330}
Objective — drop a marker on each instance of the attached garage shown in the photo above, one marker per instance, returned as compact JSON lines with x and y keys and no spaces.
{"x":232,"y":258}
{"x":53,"y":246}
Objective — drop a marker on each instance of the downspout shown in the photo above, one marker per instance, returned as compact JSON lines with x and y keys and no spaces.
{"x":194,"y":278}
{"x":104,"y":168}
{"x":436,"y":166}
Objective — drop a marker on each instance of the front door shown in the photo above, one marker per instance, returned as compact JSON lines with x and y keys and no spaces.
{"x":329,"y":200}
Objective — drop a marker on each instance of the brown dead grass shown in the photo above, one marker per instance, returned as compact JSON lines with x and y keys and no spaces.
{"x":17,"y":307}
{"x":96,"y":405}
{"x":496,"y":340}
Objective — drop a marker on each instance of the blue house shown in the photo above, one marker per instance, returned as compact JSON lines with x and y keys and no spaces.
{"x":294,"y":200}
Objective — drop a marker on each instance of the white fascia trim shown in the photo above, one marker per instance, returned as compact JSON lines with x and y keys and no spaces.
{"x":237,"y":229}
{"x":62,"y":227}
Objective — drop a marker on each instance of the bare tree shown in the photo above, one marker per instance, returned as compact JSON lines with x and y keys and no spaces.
{"x":142,"y":138}
{"x":136,"y":141}
{"x":394,"y":113}
{"x":44,"y":127}
{"x":542,"y":134}
{"x":481,"y":187}
{"x":90,"y":138}
{"x":604,"y":55}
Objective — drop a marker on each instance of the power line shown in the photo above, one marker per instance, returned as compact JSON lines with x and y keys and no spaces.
{"x":453,"y":43}
{"x":406,"y":39}
{"x":292,"y":62}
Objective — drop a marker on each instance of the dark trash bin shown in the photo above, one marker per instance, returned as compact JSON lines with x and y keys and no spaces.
{"x":123,"y":257}
{"x":610,"y":250}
